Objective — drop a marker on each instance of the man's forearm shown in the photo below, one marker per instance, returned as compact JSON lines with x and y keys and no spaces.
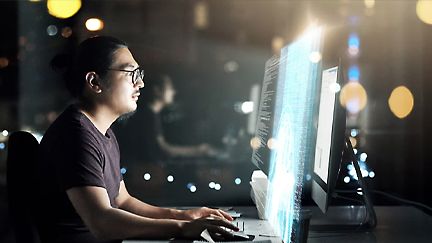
{"x":138,"y":207}
{"x":119,"y":224}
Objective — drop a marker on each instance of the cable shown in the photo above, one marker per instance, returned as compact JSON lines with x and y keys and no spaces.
{"x":393,"y":197}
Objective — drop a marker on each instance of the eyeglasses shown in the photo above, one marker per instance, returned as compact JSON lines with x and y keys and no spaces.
{"x":137,"y":73}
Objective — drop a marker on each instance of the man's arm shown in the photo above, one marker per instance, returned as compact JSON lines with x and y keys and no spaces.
{"x":93,"y":206}
{"x":183,"y":151}
{"x":135,"y":206}
{"x":125,"y":201}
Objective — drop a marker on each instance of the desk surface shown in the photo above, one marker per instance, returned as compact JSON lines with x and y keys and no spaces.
{"x":395,"y":224}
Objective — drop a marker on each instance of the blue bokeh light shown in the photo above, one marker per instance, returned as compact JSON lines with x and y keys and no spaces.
{"x":237,"y":181}
{"x":123,"y":170}
{"x":2,"y":145}
{"x":353,"y":73}
{"x":353,"y":41}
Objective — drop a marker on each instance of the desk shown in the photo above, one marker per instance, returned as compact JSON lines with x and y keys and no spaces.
{"x":395,"y":224}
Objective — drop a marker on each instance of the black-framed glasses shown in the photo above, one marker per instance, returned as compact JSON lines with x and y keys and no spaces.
{"x":137,"y":73}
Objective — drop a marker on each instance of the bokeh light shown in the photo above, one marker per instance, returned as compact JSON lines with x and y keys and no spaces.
{"x":237,"y":181}
{"x":231,"y":67}
{"x":272,"y":143}
{"x":201,"y":15}
{"x":94,"y":24}
{"x":277,"y":44}
{"x":247,"y":107}
{"x":424,"y":11}
{"x":371,"y":174}
{"x":63,"y":9}
{"x":212,"y":185}
{"x":353,"y":142}
{"x":401,"y":102}
{"x":66,"y":32}
{"x":217,"y":187}
{"x":4,"y":62}
{"x":2,"y":145}
{"x":353,"y":97}
{"x":123,"y":170}
{"x":170,"y":178}
{"x":354,"y":132}
{"x":354,"y":73}
{"x":255,"y":142}
{"x":315,"y":57}
{"x":52,"y":30}
{"x":353,"y":41}
{"x":370,"y":3}
{"x":147,"y":176}
{"x":335,"y":87}
{"x":347,"y":179}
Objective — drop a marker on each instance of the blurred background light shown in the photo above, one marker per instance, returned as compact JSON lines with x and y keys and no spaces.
{"x":353,"y":141}
{"x":308,"y":177}
{"x":201,"y":15}
{"x":353,"y":52}
{"x":401,"y":101}
{"x":350,"y":167}
{"x":371,"y":174}
{"x":364,"y":173}
{"x":353,"y":97}
{"x":353,"y":73}
{"x":237,"y":181}
{"x":363,"y":156}
{"x":34,"y":0}
{"x":347,"y":179}
{"x":66,"y":32}
{"x":315,"y":57}
{"x":424,"y":11}
{"x":335,"y":87}
{"x":4,"y":62}
{"x":123,"y":170}
{"x":353,"y":41}
{"x":370,"y":3}
{"x":247,"y":107}
{"x":94,"y":24}
{"x":2,"y":145}
{"x":5,"y":133}
{"x":52,"y":30}
{"x":354,"y":132}
{"x":170,"y":178}
{"x":217,"y":186}
{"x":63,"y":9}
{"x":277,"y":44}
{"x":147,"y":176}
{"x":193,"y":188}
{"x":231,"y":67}
{"x":355,"y":151}
{"x":212,"y":185}
{"x":255,"y":142}
{"x":272,"y":143}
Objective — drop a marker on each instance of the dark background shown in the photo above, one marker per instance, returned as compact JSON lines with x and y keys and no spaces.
{"x":395,"y":50}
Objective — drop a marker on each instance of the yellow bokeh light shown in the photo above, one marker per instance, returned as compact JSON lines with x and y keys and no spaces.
{"x":201,"y":15}
{"x":401,"y":102}
{"x":315,"y":57}
{"x":255,"y":142}
{"x":4,"y":62}
{"x":370,"y":3}
{"x":353,"y":97}
{"x":94,"y":24}
{"x":353,"y":142}
{"x":63,"y":9}
{"x":34,"y":0}
{"x":424,"y":11}
{"x":272,"y":143}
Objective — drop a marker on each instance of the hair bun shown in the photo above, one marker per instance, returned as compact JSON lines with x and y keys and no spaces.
{"x":61,"y":61}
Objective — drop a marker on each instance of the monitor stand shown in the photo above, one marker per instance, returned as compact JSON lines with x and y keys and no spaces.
{"x":346,"y":218}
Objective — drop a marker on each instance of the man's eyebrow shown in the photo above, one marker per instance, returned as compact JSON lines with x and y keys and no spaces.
{"x":128,"y":65}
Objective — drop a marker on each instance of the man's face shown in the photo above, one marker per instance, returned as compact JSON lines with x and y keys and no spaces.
{"x":122,"y":95}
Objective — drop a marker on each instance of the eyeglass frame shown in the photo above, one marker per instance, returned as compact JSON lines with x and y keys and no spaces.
{"x":140,"y":74}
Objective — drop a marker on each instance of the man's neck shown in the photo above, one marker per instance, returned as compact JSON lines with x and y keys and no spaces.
{"x":100,"y":116}
{"x":156,"y":106}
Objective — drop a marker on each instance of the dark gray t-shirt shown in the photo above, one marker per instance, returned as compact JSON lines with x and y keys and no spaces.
{"x":74,"y":153}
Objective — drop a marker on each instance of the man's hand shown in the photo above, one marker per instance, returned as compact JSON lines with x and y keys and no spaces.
{"x":202,"y":212}
{"x":192,"y":229}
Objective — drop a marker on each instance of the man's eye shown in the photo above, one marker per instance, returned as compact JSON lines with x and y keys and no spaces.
{"x":129,"y":73}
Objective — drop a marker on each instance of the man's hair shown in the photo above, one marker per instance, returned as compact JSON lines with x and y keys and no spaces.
{"x":160,"y":83}
{"x":95,"y":54}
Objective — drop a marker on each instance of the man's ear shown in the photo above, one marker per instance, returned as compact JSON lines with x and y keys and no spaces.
{"x":92,"y":80}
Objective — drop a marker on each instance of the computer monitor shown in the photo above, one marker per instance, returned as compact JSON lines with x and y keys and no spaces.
{"x":284,"y":128}
{"x":330,"y":138}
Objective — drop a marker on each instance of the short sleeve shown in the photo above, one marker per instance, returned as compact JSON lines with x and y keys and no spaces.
{"x":79,"y":161}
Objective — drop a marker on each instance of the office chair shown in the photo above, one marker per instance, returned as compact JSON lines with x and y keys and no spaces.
{"x":21,"y":161}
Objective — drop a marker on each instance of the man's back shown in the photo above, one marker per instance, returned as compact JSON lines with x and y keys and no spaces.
{"x":73,"y":153}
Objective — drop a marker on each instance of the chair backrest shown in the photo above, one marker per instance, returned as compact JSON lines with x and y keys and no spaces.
{"x":20,"y":175}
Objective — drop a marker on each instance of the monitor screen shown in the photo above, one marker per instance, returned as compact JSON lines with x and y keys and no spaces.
{"x":289,"y":127}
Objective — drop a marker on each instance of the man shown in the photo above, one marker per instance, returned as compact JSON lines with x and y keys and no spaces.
{"x":83,"y":197}
{"x":142,"y":138}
